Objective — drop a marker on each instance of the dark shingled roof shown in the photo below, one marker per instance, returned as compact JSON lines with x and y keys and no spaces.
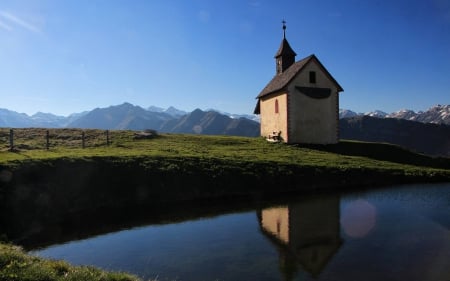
{"x":285,"y":49}
{"x":280,"y":81}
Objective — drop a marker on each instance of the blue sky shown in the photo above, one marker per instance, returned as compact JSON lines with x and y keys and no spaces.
{"x":66,"y":56}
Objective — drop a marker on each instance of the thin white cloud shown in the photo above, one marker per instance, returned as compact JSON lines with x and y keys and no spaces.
{"x":5,"y":26}
{"x":18,"y":21}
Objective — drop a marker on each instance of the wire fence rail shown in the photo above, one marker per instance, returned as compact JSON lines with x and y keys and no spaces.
{"x":41,"y":138}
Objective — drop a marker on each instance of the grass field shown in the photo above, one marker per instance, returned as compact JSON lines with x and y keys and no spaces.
{"x":30,"y":144}
{"x":16,"y":265}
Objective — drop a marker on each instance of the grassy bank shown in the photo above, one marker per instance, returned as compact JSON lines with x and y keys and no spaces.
{"x":30,"y":144}
{"x":15,"y":264}
{"x":252,"y":158}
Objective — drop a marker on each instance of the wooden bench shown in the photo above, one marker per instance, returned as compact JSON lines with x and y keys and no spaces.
{"x":274,"y":137}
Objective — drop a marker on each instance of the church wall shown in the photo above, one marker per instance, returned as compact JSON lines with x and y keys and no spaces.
{"x":272,"y":121}
{"x":313,"y":120}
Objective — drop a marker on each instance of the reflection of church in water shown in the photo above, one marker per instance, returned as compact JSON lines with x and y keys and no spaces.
{"x":307,"y":234}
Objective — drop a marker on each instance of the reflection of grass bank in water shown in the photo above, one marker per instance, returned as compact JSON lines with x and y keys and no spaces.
{"x":80,"y":183}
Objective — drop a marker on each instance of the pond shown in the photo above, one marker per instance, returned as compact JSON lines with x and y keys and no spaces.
{"x":396,"y":233}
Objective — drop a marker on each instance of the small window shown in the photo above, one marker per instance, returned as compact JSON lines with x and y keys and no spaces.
{"x":312,"y":77}
{"x":276,"y":106}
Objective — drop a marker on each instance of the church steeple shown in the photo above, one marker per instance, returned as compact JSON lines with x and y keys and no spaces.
{"x":285,"y":56}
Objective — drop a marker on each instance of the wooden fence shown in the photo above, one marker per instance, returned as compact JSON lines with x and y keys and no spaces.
{"x":36,"y":138}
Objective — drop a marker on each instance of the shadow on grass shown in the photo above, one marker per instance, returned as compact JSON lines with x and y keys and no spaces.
{"x":383,"y":152}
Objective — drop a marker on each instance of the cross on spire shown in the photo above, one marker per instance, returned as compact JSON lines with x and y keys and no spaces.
{"x":284,"y":29}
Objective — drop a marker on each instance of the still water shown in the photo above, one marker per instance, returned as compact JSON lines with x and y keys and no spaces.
{"x":398,"y":233}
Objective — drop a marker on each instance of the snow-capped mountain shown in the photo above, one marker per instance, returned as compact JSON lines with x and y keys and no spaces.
{"x":172,"y":111}
{"x":253,"y":117}
{"x":346,"y":113}
{"x":376,"y":113}
{"x":438,"y":114}
{"x":404,"y":114}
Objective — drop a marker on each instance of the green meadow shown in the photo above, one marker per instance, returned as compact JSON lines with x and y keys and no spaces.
{"x":30,"y":146}
{"x":16,"y":265}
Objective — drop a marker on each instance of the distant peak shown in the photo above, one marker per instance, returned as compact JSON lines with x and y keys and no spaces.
{"x":440,"y":107}
{"x":127,"y":104}
{"x":155,"y":108}
{"x":197,"y":110}
{"x":376,"y":113}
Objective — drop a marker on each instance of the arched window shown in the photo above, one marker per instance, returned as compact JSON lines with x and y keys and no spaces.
{"x":276,"y":106}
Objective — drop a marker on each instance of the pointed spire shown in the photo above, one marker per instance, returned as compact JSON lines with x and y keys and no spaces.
{"x":285,"y":56}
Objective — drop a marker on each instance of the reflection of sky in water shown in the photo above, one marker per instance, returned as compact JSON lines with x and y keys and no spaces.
{"x":222,"y":248}
{"x":392,"y":234}
{"x":409,"y":239}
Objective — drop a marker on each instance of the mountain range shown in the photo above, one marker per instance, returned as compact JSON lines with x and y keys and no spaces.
{"x":128,"y":116}
{"x":131,"y":117}
{"x":426,"y":132}
{"x":438,"y":114}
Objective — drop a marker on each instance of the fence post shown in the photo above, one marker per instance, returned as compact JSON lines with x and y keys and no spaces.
{"x":48,"y":139}
{"x":107,"y":137}
{"x":82,"y":140}
{"x":11,"y":139}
